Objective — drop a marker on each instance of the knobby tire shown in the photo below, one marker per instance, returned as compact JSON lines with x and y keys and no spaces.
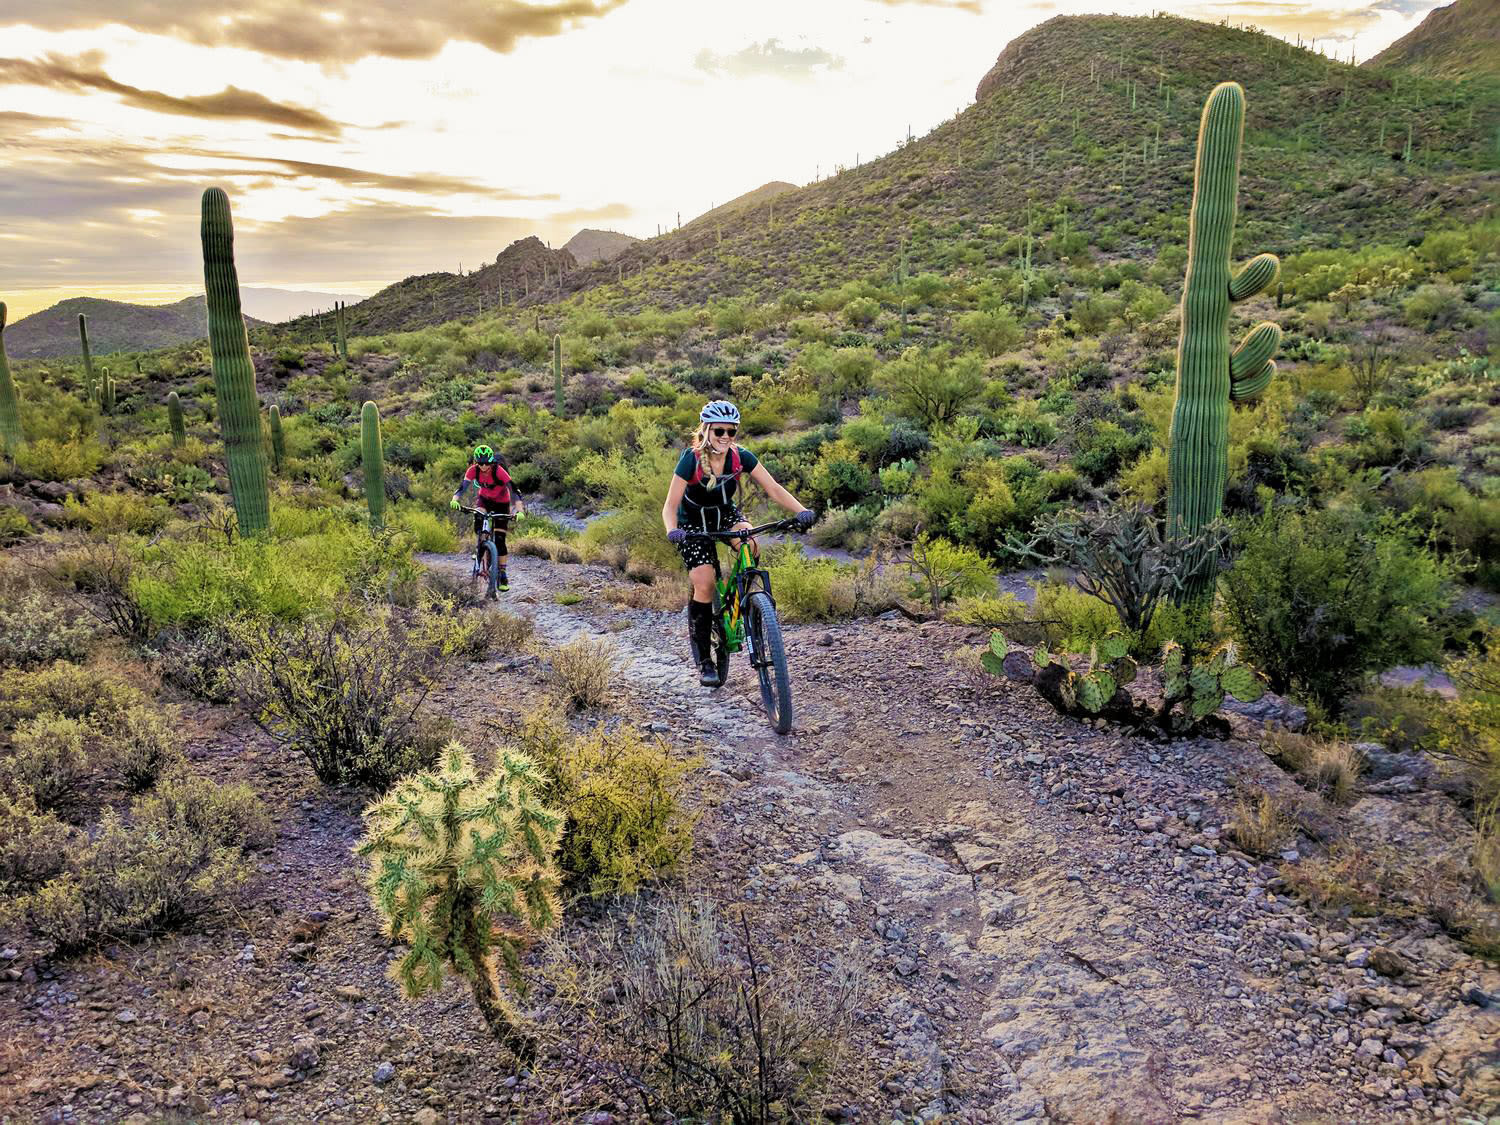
{"x":770,"y":660}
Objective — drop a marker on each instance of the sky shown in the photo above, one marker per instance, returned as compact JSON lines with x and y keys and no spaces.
{"x":362,"y":141}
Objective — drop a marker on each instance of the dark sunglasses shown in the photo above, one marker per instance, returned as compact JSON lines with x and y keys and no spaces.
{"x":724,"y":431}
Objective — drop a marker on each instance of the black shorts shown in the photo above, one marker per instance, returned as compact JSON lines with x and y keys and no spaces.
{"x":499,"y":527}
{"x":698,"y":552}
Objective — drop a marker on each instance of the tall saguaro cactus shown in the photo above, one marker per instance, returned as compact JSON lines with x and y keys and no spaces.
{"x":88,"y":358}
{"x":343,"y":339}
{"x":278,"y":439}
{"x":175,"y":421}
{"x":557,"y":379}
{"x":1209,"y":375}
{"x":234,"y":373}
{"x":373,"y":456}
{"x":10,"y":401}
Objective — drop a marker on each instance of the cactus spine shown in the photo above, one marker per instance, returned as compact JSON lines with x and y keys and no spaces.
{"x":278,"y":439}
{"x":374,"y":461}
{"x":174,"y":419}
{"x":10,"y":402}
{"x":1209,"y":376}
{"x":88,"y":358}
{"x":557,"y":378}
{"x":234,"y":373}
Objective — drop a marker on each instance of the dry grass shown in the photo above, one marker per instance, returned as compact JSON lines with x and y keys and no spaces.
{"x":1330,"y":769}
{"x":1259,"y":825}
{"x":1347,"y":879}
{"x":542,"y":547}
{"x":585,"y":671}
{"x":508,"y":632}
{"x":666,"y":596}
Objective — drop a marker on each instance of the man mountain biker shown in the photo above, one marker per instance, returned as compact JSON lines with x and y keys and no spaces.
{"x":489,"y":473}
{"x":702,"y":498}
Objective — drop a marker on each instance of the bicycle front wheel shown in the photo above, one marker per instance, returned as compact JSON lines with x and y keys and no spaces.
{"x":769,"y":658}
{"x":492,"y":558}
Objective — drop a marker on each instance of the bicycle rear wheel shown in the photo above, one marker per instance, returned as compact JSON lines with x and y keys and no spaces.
{"x":769,"y":658}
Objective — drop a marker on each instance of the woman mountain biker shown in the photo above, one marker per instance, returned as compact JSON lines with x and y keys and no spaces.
{"x":702,"y":498}
{"x":489,"y":473}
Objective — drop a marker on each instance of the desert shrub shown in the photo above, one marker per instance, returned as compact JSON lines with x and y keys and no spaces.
{"x":585,"y":672}
{"x":50,"y":459}
{"x":942,"y":571}
{"x":1320,"y":600}
{"x":622,"y":793}
{"x":113,"y":512}
{"x":987,"y":610}
{"x":70,"y":690}
{"x":428,"y":532}
{"x":346,"y":692}
{"x":992,"y":331}
{"x":36,"y":628}
{"x":861,"y":312}
{"x":198,"y":660}
{"x":1433,"y":306}
{"x":463,"y":869}
{"x":813,"y":589}
{"x":49,"y":758}
{"x":931,"y":387}
{"x":34,"y":847}
{"x":1468,"y":728}
{"x":166,"y":865}
{"x":554,"y":550}
{"x":14,"y":527}
{"x":141,"y":744}
{"x":100,"y":572}
{"x":691,"y":1022}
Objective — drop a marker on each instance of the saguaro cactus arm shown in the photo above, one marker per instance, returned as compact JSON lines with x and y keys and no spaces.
{"x":234,"y":373}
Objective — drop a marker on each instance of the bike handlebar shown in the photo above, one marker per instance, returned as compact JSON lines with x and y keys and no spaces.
{"x":745,"y":533}
{"x":492,"y":515}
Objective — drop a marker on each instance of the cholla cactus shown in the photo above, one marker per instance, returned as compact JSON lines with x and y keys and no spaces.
{"x":463,"y":868}
{"x":1202,"y":686}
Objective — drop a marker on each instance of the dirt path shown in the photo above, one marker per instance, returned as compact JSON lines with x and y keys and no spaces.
{"x":1052,"y":923}
{"x":1048,"y":922}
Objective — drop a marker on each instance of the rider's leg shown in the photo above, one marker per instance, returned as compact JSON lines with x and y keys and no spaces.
{"x":701,"y":623}
{"x":502,"y":553}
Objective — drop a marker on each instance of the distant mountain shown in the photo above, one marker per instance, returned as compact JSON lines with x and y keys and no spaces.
{"x":114,"y":326}
{"x":590,"y":246}
{"x":1461,"y":40}
{"x":275,"y":305}
{"x":526,"y":269}
{"x":763,"y":194}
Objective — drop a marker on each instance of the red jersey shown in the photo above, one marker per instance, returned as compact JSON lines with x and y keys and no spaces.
{"x":493,"y":481}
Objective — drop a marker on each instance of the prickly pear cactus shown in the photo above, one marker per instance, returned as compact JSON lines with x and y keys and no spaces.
{"x":1209,"y":375}
{"x":461,"y":868}
{"x":10,"y":401}
{"x":175,"y":420}
{"x":373,"y":456}
{"x":234,"y":373}
{"x":1199,"y":687}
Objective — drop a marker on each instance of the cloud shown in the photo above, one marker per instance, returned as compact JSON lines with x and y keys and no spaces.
{"x":769,"y":59}
{"x":1330,"y":23}
{"x":434,"y":183}
{"x":583,"y":215}
{"x":1406,"y":7}
{"x":330,"y":33}
{"x":972,"y":6}
{"x":57,"y":72}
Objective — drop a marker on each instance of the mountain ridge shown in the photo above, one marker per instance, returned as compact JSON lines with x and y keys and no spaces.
{"x":1459,"y":40}
{"x":114,"y":326}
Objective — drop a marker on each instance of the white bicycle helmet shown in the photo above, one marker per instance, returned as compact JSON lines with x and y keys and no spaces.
{"x":720,"y":411}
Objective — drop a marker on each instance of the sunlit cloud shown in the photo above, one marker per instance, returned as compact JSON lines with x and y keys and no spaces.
{"x":771,"y":59}
{"x":331,"y":33}
{"x":84,"y":75}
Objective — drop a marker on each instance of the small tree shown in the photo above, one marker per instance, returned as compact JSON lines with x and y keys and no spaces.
{"x":945,"y":570}
{"x":932,"y":387}
{"x":1370,"y":364}
{"x":463,"y":870}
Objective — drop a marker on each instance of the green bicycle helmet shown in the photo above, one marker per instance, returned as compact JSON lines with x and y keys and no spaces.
{"x":483,"y":454}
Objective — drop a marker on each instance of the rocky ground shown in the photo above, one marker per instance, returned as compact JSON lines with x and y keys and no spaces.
{"x":1047,"y":920}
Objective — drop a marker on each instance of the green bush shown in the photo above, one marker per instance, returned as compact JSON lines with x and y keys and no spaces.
{"x":111,"y":512}
{"x":932,"y":387}
{"x":49,"y":758}
{"x":143,"y":743}
{"x":70,"y":690}
{"x":993,"y":331}
{"x":37,"y":629}
{"x":942,"y":571}
{"x":428,"y":532}
{"x":623,"y":794}
{"x":1320,"y":600}
{"x":49,"y":459}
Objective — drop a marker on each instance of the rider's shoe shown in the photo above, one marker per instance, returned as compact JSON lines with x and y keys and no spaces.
{"x":708,"y":674}
{"x":503,"y":582}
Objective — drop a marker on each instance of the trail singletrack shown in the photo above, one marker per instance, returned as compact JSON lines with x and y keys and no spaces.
{"x":1051,"y":921}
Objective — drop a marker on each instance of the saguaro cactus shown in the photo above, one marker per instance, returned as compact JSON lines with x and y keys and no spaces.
{"x":106,"y":391}
{"x":1209,"y":376}
{"x":373,"y":457}
{"x":557,"y":379}
{"x":174,"y":419}
{"x":278,"y":439}
{"x":10,"y":402}
{"x":343,"y":339}
{"x":88,"y":358}
{"x":234,"y":373}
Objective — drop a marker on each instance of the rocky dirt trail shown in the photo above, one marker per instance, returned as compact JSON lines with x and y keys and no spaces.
{"x":1047,"y":919}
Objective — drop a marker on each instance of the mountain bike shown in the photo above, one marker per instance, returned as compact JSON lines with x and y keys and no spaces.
{"x":745,"y":618}
{"x":488,"y":572}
